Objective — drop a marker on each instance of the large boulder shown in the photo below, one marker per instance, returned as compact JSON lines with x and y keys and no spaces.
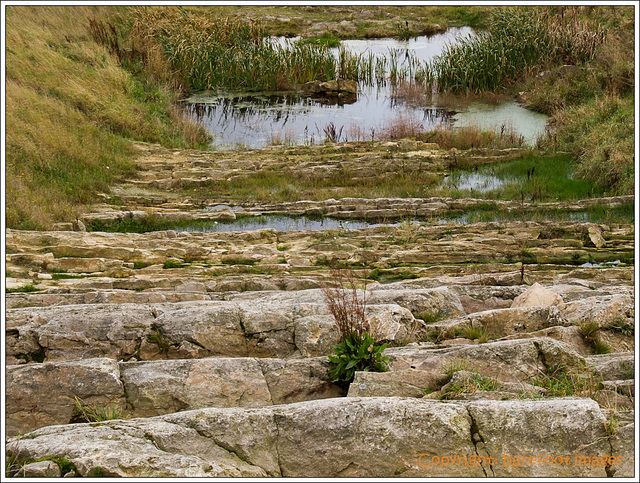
{"x":346,"y":437}
{"x":39,"y":395}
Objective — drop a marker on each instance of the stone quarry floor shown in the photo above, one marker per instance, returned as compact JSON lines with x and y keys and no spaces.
{"x":211,"y":348}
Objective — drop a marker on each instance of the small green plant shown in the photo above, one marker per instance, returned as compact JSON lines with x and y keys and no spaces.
{"x":449,"y":370}
{"x":627,"y":370}
{"x":623,"y":326}
{"x":64,"y":276}
{"x":612,"y":424}
{"x":474,"y":384}
{"x":65,"y":465}
{"x":86,"y":413}
{"x":172,"y":264}
{"x":11,"y":465}
{"x":600,"y":347}
{"x":589,"y":330}
{"x":474,"y":333}
{"x":562,"y":383}
{"x":454,"y":366}
{"x":590,"y":333}
{"x":156,"y":337}
{"x":357,"y":349}
{"x":358,"y":352}
{"x":403,"y":31}
{"x":429,"y":317}
{"x":238,"y":261}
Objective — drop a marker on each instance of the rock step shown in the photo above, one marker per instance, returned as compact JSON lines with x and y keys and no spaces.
{"x":347,"y":437}
{"x":40,"y":395}
{"x":613,"y":367}
{"x":43,"y":394}
{"x":156,"y":287}
{"x":380,"y":247}
{"x":344,"y":208}
{"x":286,"y":324}
{"x":271,"y":325}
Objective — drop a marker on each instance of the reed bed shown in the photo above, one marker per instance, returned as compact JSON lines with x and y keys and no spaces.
{"x":208,"y":53}
{"x":222,"y":52}
{"x":517,"y":41}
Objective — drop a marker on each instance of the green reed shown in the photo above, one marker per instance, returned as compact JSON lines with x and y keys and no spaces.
{"x":220,"y":52}
{"x":517,"y":40}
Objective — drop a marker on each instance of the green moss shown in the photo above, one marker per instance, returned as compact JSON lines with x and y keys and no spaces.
{"x":24,"y":289}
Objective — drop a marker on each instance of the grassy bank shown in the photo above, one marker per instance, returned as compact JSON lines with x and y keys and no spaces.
{"x":71,"y":112}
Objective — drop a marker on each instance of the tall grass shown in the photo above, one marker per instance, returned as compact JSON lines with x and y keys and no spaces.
{"x":600,"y":134}
{"x":207,"y":53}
{"x":211,"y":52}
{"x":517,"y":40}
{"x":71,"y":111}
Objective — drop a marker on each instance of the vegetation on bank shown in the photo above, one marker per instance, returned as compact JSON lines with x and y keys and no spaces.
{"x":370,"y":21}
{"x":573,"y":63}
{"x":72,"y":111}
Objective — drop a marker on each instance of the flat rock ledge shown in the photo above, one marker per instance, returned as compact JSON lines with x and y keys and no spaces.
{"x":353,"y":437}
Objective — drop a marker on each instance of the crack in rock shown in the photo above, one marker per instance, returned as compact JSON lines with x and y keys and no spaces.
{"x":277,"y":445}
{"x":475,"y":433}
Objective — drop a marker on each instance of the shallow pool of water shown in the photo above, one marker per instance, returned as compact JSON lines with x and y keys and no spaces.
{"x":472,"y":180}
{"x":505,"y":115}
{"x":259,"y":119}
{"x":279,"y":223}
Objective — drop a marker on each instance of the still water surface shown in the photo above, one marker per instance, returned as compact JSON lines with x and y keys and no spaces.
{"x":258,"y":119}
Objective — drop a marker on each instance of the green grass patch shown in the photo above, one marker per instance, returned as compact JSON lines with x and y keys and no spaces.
{"x":474,"y":333}
{"x":326,"y":41}
{"x":429,"y":317}
{"x":622,"y":326}
{"x":563,"y":383}
{"x":64,"y":276}
{"x":474,"y":384}
{"x":173,"y":264}
{"x":24,"y":289}
{"x":530,"y":178}
{"x":238,"y":261}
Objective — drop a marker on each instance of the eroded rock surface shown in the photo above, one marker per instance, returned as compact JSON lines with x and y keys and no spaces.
{"x":385,"y":437}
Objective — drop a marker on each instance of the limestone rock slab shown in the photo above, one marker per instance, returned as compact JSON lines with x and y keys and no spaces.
{"x":43,"y":394}
{"x":356,"y":437}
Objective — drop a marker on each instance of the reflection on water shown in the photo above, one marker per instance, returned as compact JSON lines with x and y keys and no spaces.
{"x":473,"y":180}
{"x":508,"y":114}
{"x":259,"y":119}
{"x":279,"y":223}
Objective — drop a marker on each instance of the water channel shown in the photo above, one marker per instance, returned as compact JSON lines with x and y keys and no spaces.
{"x":257,"y":119}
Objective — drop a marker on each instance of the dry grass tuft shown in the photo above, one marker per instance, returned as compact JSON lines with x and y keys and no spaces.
{"x":347,"y":304}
